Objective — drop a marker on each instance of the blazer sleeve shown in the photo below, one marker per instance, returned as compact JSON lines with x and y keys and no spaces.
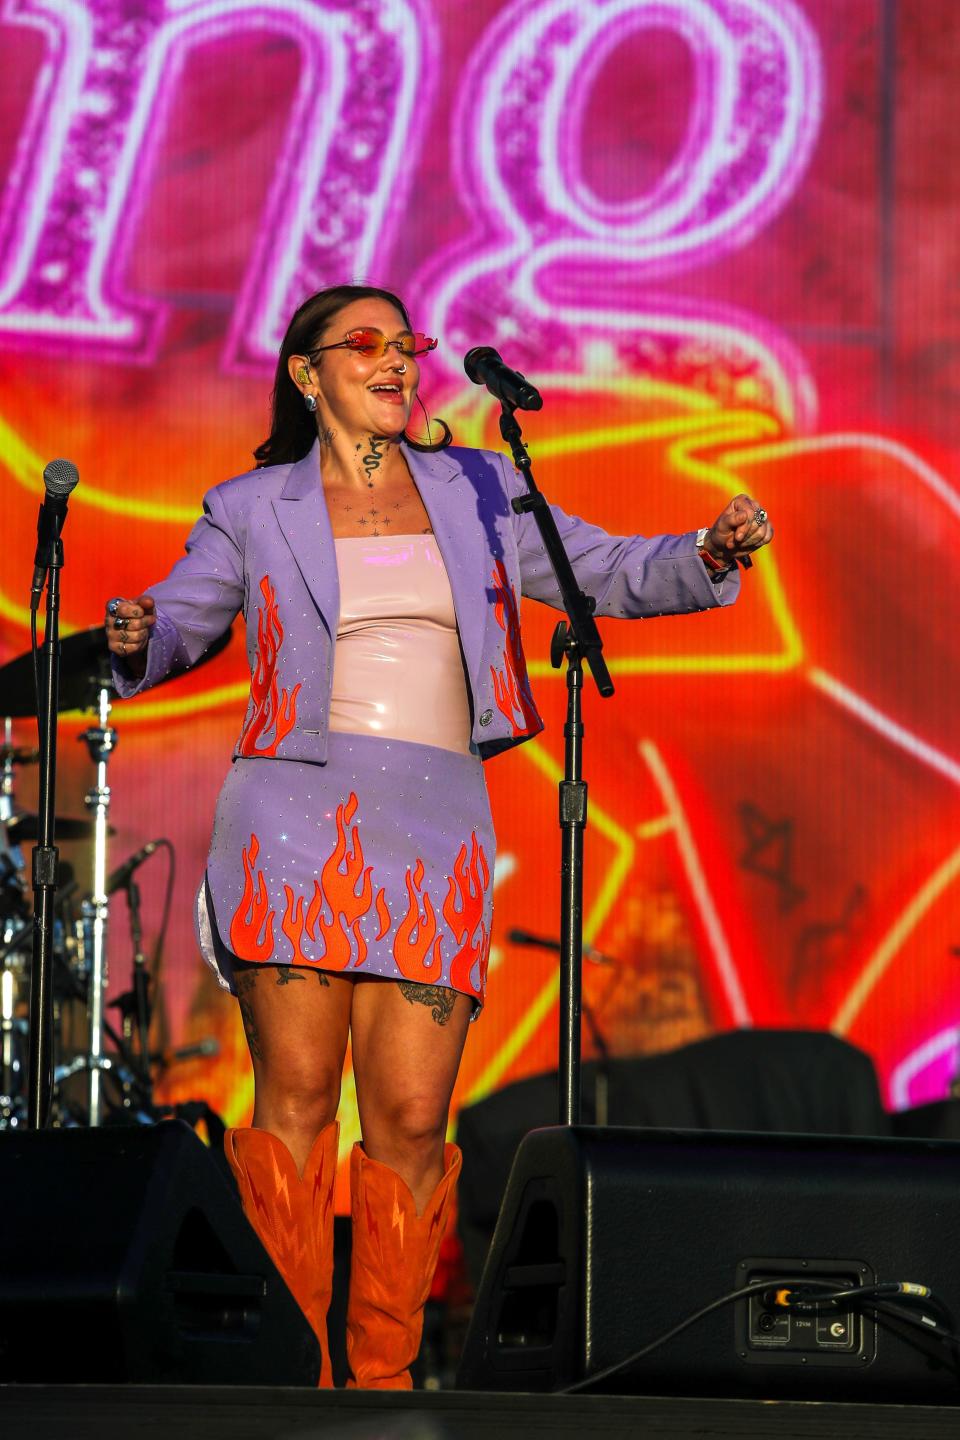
{"x":196,"y":603}
{"x":631,"y":577}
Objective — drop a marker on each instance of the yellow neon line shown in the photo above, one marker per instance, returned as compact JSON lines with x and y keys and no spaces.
{"x":26,"y":467}
{"x":717,"y":473}
{"x":699,"y":885}
{"x":546,"y":997}
{"x":879,"y":962}
{"x":20,"y":615}
{"x":653,"y":829}
{"x":138,"y":712}
{"x":240,"y":1102}
{"x":472,"y":411}
{"x":609,"y":436}
{"x":771,"y":663}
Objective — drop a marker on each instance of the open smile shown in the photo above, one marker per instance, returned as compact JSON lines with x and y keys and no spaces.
{"x":391,"y":392}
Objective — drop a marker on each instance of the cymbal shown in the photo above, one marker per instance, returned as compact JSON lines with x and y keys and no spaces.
{"x":25,"y":827}
{"x":84,"y":671}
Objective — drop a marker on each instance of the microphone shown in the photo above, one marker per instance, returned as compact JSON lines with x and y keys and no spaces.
{"x":121,"y":875}
{"x":59,"y":478}
{"x":485,"y":367}
{"x":546,"y":942}
{"x":200,"y":1050}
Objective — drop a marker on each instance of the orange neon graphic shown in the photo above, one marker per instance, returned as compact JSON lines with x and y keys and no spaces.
{"x":271,"y":708}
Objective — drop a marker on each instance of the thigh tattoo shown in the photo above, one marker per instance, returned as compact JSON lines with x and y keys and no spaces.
{"x":440,"y":998}
{"x":286,"y":973}
{"x":245,"y":980}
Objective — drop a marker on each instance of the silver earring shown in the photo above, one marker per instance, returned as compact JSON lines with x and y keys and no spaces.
{"x":311,"y":403}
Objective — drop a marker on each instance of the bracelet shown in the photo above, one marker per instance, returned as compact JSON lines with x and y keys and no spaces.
{"x":712,"y":563}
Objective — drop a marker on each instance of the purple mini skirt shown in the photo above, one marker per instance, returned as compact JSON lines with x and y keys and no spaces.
{"x":379,"y":862}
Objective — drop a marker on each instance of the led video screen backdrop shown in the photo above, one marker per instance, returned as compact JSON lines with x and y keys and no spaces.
{"x":720,"y":236}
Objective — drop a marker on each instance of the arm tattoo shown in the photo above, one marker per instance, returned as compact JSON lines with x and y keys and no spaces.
{"x":439,"y":997}
{"x":245,"y":981}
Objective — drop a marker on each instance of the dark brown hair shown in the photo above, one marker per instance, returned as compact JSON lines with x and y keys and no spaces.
{"x":293,"y":429}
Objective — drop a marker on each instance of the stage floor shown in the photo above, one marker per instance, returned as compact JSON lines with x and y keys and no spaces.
{"x":148,"y":1412}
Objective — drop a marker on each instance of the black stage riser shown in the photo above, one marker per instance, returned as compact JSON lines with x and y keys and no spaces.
{"x":609,"y":1237}
{"x":93,"y":1412}
{"x":124,"y":1256}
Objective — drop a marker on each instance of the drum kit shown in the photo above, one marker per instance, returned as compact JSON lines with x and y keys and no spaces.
{"x":88,"y":1048}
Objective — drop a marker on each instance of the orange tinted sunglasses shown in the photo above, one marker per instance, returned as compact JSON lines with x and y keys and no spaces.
{"x":374,"y":343}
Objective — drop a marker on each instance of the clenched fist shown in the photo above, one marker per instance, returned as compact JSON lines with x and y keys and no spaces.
{"x":742,"y":528}
{"x":128,"y":624}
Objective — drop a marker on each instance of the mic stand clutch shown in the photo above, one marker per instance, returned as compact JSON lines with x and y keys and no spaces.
{"x":576,"y":638}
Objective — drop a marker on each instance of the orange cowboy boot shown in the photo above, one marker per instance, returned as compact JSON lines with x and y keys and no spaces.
{"x":293,"y":1216}
{"x":395,"y":1253}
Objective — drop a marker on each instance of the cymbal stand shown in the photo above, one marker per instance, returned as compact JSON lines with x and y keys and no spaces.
{"x":9,"y":928}
{"x":101,"y":741}
{"x":6,"y":775}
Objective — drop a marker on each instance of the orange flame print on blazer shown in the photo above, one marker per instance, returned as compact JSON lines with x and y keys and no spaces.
{"x":511,"y":685}
{"x":346,"y":890}
{"x":416,"y":933}
{"x":253,"y":914}
{"x":463,"y":912}
{"x":273,"y":709}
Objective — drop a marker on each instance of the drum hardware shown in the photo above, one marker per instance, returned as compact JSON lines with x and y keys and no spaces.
{"x":22,"y":827}
{"x":101,"y":741}
{"x":80,"y":960}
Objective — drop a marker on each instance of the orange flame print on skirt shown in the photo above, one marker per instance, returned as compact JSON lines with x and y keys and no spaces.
{"x":346,"y":890}
{"x":463,"y":912}
{"x":416,"y":933}
{"x":273,"y":709}
{"x":511,"y":685}
{"x":253,"y":914}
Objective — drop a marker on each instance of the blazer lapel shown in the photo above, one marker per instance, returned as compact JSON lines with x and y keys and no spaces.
{"x":451,"y":504}
{"x":303,"y":518}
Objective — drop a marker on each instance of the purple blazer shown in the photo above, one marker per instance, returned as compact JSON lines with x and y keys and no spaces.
{"x":264,"y":545}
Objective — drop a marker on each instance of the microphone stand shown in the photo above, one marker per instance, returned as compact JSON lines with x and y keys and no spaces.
{"x":576,"y":639}
{"x":45,"y":858}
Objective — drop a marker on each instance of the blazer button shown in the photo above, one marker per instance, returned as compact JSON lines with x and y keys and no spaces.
{"x":486,"y":717}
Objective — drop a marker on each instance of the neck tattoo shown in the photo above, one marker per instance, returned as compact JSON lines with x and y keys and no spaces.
{"x":326,"y":436}
{"x":373,"y":457}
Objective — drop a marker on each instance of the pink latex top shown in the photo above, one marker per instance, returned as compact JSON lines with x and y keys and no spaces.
{"x":397,"y":669}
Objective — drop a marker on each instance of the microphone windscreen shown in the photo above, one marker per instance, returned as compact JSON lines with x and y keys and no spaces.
{"x":60,"y":477}
{"x":473,"y":359}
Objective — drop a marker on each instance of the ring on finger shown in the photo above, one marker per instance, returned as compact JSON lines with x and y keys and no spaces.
{"x":760,"y":516}
{"x":114,"y":604}
{"x":119,"y":623}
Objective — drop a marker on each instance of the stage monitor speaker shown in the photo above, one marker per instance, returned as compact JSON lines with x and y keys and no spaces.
{"x":608,"y":1238}
{"x":124,"y":1256}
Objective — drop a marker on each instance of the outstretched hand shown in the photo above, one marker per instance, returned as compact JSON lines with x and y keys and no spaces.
{"x":742,"y":528}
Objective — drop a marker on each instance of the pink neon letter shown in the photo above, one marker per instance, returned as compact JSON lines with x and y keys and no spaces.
{"x":99,"y":108}
{"x":547,"y":237}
